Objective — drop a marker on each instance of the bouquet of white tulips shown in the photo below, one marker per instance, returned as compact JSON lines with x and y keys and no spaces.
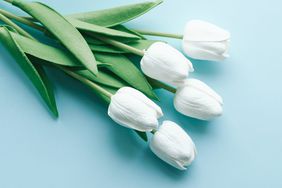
{"x":97,"y":49}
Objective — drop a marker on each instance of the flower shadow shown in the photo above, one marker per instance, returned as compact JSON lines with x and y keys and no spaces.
{"x":193,"y":125}
{"x":203,"y":67}
{"x":126,"y":142}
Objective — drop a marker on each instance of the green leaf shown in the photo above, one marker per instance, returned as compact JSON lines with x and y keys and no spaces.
{"x":48,"y":53}
{"x":125,"y":69}
{"x":45,"y":52}
{"x":105,"y":48}
{"x":103,"y":78}
{"x":64,"y":31}
{"x":139,"y":44}
{"x":34,"y":72}
{"x":118,"y":15}
{"x":92,"y":28}
{"x":119,"y":32}
{"x":142,"y":135}
{"x":142,"y":44}
{"x":154,"y":83}
{"x":92,"y":40}
{"x":127,"y":30}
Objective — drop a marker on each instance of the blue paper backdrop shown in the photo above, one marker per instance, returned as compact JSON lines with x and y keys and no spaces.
{"x":84,"y":148}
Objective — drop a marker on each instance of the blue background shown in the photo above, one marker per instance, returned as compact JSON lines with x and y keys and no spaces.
{"x":84,"y":148}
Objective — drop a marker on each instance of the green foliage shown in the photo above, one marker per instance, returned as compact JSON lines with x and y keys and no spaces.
{"x":103,"y":78}
{"x":75,"y":57}
{"x":64,"y":31}
{"x":92,"y":28}
{"x":34,"y":72}
{"x":125,"y":69}
{"x":116,"y":16}
{"x":139,"y":44}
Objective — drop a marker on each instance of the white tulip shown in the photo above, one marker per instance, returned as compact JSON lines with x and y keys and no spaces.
{"x":164,"y":63}
{"x":205,"y":41}
{"x":197,"y":100}
{"x":173,"y":145}
{"x":132,"y":109}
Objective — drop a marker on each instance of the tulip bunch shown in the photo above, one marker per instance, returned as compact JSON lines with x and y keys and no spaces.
{"x":193,"y":97}
{"x":132,"y":109}
{"x":94,"y":49}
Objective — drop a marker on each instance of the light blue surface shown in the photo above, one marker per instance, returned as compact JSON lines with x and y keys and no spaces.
{"x":84,"y":148}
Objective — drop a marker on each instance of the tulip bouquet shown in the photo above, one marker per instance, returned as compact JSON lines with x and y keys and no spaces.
{"x":96,"y":49}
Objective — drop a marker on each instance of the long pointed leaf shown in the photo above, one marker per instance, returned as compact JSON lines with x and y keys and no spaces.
{"x":35,"y":72}
{"x":102,"y":78}
{"x":125,"y":69}
{"x":139,"y":44}
{"x":118,"y":32}
{"x":118,"y":15}
{"x":127,"y":30}
{"x":93,"y":28}
{"x":48,"y":53}
{"x":64,"y":31}
{"x":92,"y":40}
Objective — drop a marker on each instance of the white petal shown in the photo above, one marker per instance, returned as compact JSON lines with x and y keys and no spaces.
{"x":197,"y":100}
{"x":197,"y":30}
{"x":215,"y":47}
{"x":197,"y":84}
{"x":212,"y":51}
{"x":127,"y":109}
{"x":173,"y":145}
{"x":163,"y":62}
{"x":140,"y":96}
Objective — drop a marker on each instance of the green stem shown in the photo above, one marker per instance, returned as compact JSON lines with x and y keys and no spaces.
{"x":159,"y":84}
{"x":168,"y":88}
{"x":87,"y":82}
{"x":160,"y":34}
{"x":120,"y":45}
{"x":15,"y":26}
{"x":22,"y":20}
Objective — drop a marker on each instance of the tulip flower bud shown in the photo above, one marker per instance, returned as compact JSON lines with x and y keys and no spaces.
{"x":197,"y":100}
{"x":164,"y":63}
{"x":132,"y":109}
{"x":173,"y":145}
{"x":205,"y":41}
